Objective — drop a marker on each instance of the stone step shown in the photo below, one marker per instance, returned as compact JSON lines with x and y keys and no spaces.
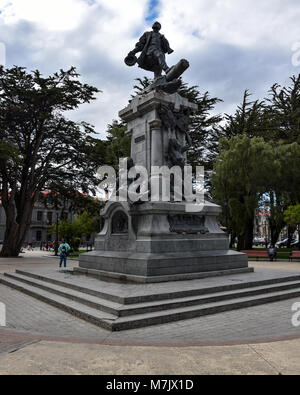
{"x":72,"y":285}
{"x":179,"y":314}
{"x":149,"y":306}
{"x":77,"y":296}
{"x":158,"y":296}
{"x":134,"y":279}
{"x":174,"y":311}
{"x":86,"y":313}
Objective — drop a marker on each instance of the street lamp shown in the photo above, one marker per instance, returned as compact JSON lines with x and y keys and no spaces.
{"x":56,"y":237}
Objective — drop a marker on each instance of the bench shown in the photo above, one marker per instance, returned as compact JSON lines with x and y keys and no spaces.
{"x":257,"y":254}
{"x":294,"y":255}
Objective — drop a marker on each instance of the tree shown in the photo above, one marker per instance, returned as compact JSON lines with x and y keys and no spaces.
{"x":292,"y":217}
{"x":283,"y":112}
{"x":249,"y":119}
{"x":241,"y":176}
{"x":276,"y":120}
{"x":284,"y":189}
{"x":83,"y":224}
{"x":204,"y":130}
{"x":7,"y":151}
{"x":282,"y":125}
{"x":46,"y":149}
{"x":118,"y":143}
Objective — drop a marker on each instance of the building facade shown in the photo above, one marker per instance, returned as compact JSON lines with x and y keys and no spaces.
{"x":261,"y":224}
{"x":41,"y":222}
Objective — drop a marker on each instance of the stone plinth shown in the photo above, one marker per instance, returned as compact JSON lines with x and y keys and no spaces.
{"x":149,"y":137}
{"x":161,"y":239}
{"x":152,"y":240}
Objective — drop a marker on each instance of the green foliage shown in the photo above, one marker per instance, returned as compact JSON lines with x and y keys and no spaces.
{"x":292,"y":215}
{"x":75,"y":243}
{"x":276,"y":120}
{"x":204,"y":130}
{"x":118,"y":144}
{"x":241,"y":175}
{"x":285,"y":188}
{"x":40,"y":147}
{"x":142,"y":83}
{"x":83,"y":224}
{"x":8,"y":152}
{"x":248,"y":119}
{"x":283,"y":112}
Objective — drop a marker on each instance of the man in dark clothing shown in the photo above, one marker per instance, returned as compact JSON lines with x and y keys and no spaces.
{"x":153,"y":47}
{"x":272,"y":252}
{"x":64,"y":250}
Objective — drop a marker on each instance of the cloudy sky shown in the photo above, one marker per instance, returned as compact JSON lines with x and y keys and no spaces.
{"x":232,"y":45}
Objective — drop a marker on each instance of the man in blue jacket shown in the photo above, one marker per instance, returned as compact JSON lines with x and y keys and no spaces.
{"x":272,"y":252}
{"x":64,"y":250}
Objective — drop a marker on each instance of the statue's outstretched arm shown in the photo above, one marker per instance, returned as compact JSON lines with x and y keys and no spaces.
{"x":140,"y":45}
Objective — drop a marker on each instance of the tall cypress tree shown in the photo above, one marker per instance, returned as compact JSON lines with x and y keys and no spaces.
{"x":46,"y":149}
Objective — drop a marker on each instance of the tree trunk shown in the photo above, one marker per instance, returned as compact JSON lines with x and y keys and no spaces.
{"x":11,"y":245}
{"x":15,"y":231}
{"x":232,"y":240}
{"x":249,"y":235}
{"x":275,"y":232}
{"x":245,"y":241}
{"x":276,"y":219}
{"x":291,"y":231}
{"x":241,"y":242}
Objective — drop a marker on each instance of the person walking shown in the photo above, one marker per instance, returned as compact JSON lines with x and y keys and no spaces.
{"x":64,"y":250}
{"x":29,"y":246}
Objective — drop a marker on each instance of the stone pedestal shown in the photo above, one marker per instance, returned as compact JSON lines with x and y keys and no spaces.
{"x":149,"y":137}
{"x":159,"y":241}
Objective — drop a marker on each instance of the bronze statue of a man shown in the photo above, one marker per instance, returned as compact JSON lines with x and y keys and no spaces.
{"x":153,"y":47}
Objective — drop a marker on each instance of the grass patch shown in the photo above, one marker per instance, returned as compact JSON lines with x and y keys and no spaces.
{"x":75,"y":254}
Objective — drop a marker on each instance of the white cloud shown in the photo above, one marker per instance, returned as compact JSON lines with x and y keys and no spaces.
{"x":52,"y":15}
{"x":93,"y":35}
{"x":257,"y":23}
{"x":231,"y":44}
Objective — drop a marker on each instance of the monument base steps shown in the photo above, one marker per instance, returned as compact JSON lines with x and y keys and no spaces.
{"x":118,"y":307}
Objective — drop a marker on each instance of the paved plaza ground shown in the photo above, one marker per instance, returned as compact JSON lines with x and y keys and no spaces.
{"x":41,"y":339}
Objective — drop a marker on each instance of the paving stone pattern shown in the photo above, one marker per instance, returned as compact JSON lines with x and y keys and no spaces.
{"x":266,"y":322}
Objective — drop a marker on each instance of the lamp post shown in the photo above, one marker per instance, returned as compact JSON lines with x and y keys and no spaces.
{"x":56,"y":237}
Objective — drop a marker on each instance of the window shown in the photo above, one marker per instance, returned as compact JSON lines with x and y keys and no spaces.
{"x":49,"y":217}
{"x":39,"y":235}
{"x":39,"y":215}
